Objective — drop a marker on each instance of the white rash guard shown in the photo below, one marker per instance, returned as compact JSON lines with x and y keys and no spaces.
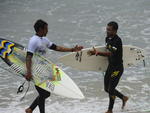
{"x":39,"y":45}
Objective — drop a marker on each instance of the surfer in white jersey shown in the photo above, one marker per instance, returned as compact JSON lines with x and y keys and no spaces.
{"x":38,"y":44}
{"x":115,"y":67}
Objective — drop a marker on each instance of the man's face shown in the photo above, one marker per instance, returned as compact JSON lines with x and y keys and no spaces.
{"x":110,"y":31}
{"x":45,"y":30}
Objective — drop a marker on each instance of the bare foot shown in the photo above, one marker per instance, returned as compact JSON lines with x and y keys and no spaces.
{"x":28,"y":110}
{"x":124,"y":101}
{"x":109,"y":111}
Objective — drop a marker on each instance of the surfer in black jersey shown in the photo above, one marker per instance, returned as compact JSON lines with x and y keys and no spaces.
{"x":38,"y":44}
{"x":115,"y":67}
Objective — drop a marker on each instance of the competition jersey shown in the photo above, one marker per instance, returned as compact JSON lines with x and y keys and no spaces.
{"x":39,"y":45}
{"x":114,"y":45}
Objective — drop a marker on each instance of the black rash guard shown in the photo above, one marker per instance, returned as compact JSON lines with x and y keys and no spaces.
{"x":114,"y":45}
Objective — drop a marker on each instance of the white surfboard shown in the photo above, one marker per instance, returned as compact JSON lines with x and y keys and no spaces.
{"x":45,"y":74}
{"x":131,"y":56}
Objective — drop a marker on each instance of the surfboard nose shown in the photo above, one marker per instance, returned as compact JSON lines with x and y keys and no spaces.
{"x":78,"y":96}
{"x":82,"y":96}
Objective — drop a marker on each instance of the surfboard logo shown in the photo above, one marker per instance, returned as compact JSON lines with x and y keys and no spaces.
{"x":6,"y":48}
{"x":56,"y":73}
{"x":78,"y":56}
{"x":51,"y":86}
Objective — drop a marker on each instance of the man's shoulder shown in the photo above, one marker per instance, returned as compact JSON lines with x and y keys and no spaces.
{"x":118,"y":38}
{"x":34,"y":38}
{"x":45,"y":38}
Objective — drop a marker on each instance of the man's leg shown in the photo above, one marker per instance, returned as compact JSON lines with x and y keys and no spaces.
{"x":33,"y":105}
{"x":43,"y":94}
{"x":107,"y":78}
{"x":119,"y":94}
{"x":107,"y":82}
{"x":114,"y":80}
{"x":40,"y":100}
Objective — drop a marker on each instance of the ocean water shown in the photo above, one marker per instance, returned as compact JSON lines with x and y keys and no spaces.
{"x":79,"y":22}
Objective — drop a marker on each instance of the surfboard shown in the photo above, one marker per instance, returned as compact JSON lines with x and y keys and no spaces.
{"x":80,"y":60}
{"x":46,"y":74}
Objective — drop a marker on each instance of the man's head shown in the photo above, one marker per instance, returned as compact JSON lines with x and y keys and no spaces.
{"x":112,"y":28}
{"x":41,"y":27}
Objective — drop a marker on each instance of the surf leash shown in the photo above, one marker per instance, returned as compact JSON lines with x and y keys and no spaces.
{"x":21,"y":88}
